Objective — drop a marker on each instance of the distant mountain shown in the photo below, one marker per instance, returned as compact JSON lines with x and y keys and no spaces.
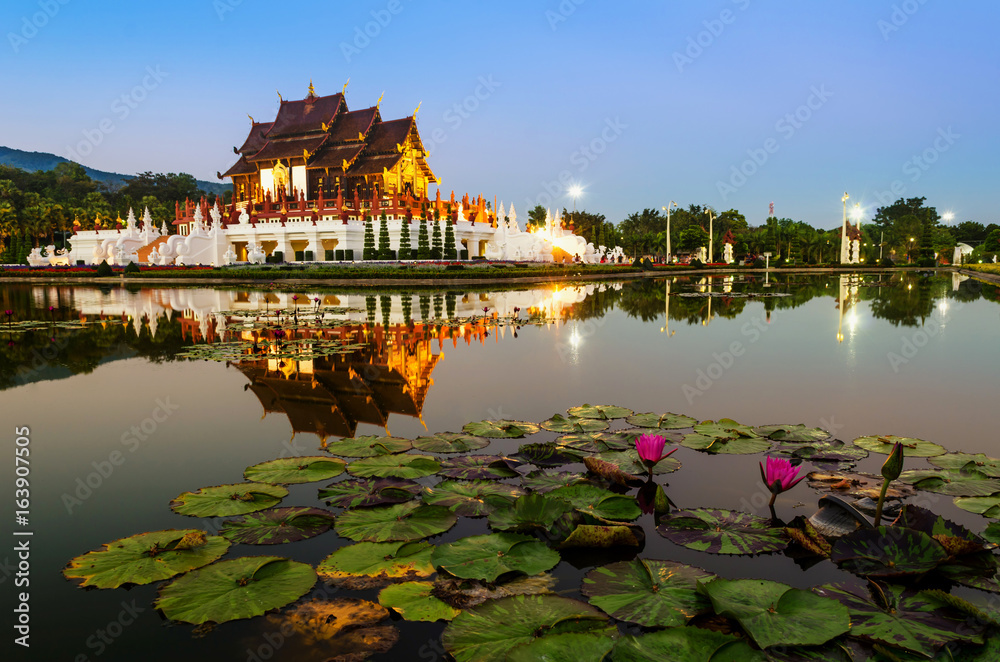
{"x":32,"y":161}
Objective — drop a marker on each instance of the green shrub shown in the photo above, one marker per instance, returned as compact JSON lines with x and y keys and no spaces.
{"x":339,"y":253}
{"x":463,"y":254}
{"x":696,"y":264}
{"x":104,"y":269}
{"x":131,"y":268}
{"x":349,"y":254}
{"x":300,"y":256}
{"x":885,"y":263}
{"x":309,"y":256}
{"x":279,"y":256}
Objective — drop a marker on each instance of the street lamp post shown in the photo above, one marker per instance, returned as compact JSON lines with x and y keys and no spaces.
{"x":909,"y":253}
{"x":843,"y":231}
{"x":711,"y":217}
{"x":672,"y":204}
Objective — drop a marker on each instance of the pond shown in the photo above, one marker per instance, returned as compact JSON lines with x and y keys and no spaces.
{"x":134,"y":396}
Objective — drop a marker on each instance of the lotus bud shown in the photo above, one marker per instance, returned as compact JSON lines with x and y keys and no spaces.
{"x":894,"y":463}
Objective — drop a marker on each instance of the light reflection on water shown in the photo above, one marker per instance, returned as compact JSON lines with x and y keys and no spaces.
{"x":900,"y":354}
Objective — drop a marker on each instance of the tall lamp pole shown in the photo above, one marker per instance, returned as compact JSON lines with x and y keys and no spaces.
{"x":711,"y":218}
{"x":843,"y":231}
{"x":672,"y":204}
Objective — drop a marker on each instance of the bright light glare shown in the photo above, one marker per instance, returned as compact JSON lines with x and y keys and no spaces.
{"x":575,"y":191}
{"x":857,"y":212}
{"x":948,"y":216}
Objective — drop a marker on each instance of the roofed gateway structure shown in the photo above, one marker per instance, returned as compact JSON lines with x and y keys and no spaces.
{"x":317,"y":148}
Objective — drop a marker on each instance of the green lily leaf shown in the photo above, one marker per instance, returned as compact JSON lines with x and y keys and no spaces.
{"x":989,"y":466}
{"x":475,"y":498}
{"x":793,"y":433}
{"x":548,"y":455}
{"x":146,"y":557}
{"x":725,"y":428}
{"x":541,"y":482}
{"x":602,"y":536}
{"x":277,"y":526}
{"x":628,"y":462}
{"x":987,"y":506}
{"x":369,"y":446}
{"x":488,"y":556}
{"x":737,"y":445}
{"x":479,"y":467}
{"x":531,"y":511}
{"x":487,"y":633}
{"x":911,"y":447}
{"x":774,"y":613}
{"x":901,"y":618}
{"x":687,"y":644}
{"x":722,"y":532}
{"x":288,"y":470}
{"x":559,"y":423}
{"x":404,"y":521}
{"x":450,"y":442}
{"x":226,"y":500}
{"x":579,"y":647}
{"x":234,"y":589}
{"x":888,"y":552}
{"x":362,"y":492}
{"x":647,"y":592}
{"x":598,"y":502}
{"x":921,"y":519}
{"x":662,"y":421}
{"x":602,"y":412}
{"x":373,"y":564}
{"x":595,"y":442}
{"x":402,"y":465}
{"x":500,"y":429}
{"x":960,"y":483}
{"x":824,"y":451}
{"x":414,"y":602}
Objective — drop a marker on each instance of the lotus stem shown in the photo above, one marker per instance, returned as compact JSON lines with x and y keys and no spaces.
{"x":881,"y":500}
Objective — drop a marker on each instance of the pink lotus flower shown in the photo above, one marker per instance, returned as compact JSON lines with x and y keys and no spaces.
{"x":779,"y":475}
{"x":650,"y":449}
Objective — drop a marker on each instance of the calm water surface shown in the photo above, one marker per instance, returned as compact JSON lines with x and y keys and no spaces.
{"x":911,"y":355}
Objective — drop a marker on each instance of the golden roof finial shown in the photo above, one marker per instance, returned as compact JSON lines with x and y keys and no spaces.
{"x":251,"y":118}
{"x":345,"y":86}
{"x":379,"y":102}
{"x":418,"y":109}
{"x":312,"y":90}
{"x":279,"y":96}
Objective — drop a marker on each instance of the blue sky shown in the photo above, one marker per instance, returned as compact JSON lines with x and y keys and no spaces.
{"x":729,"y":103}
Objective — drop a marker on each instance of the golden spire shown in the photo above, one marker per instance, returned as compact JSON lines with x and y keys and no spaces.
{"x":251,"y":118}
{"x":418,"y":109}
{"x":345,"y":86}
{"x":312,"y":90}
{"x":379,"y":102}
{"x":279,"y":96}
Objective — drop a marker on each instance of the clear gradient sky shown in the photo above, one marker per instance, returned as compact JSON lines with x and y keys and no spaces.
{"x":729,"y":103}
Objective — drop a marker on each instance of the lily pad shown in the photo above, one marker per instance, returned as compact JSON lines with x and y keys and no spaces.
{"x":277,"y":526}
{"x":686,"y":644}
{"x":911,"y":447}
{"x":902,"y":618}
{"x":486,"y":557}
{"x":595,"y":442}
{"x":559,"y":423}
{"x":736,"y":445}
{"x":337,"y":630}
{"x":465,"y":593}
{"x":403,"y":465}
{"x":598,"y":502}
{"x":602,"y":536}
{"x":450,"y":442}
{"x":371,"y":564}
{"x":793,"y":433}
{"x":663,"y":421}
{"x":500,"y":429}
{"x":579,"y":647}
{"x":611,"y":472}
{"x":479,"y":467}
{"x":989,"y":466}
{"x":531,"y":511}
{"x":987,"y":506}
{"x":960,"y":483}
{"x":475,"y":498}
{"x":361,"y":492}
{"x":725,"y":428}
{"x":601,"y":412}
{"x":488,"y":633}
{"x":289,"y":470}
{"x":226,"y":500}
{"x":238,"y":588}
{"x":369,"y":446}
{"x":824,"y":451}
{"x":146,"y":557}
{"x":888,"y":552}
{"x":648,"y":592}
{"x":414,"y":602}
{"x":628,"y":461}
{"x":722,"y":532}
{"x":775,"y":613}
{"x":404,"y":521}
{"x":542,"y":481}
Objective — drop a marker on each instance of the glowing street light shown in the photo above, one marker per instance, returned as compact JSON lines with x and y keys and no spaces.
{"x":672,"y":204}
{"x":575,"y":192}
{"x":948,"y":217}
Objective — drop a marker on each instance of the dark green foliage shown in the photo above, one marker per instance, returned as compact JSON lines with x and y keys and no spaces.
{"x":423,"y":245}
{"x":370,"y":306}
{"x":886,"y":263}
{"x":349,"y":254}
{"x":104,"y":269}
{"x":385,"y":252}
{"x":279,"y":256}
{"x":404,"y":241}
{"x":308,"y":256}
{"x":131,"y":268}
{"x":436,"y":244}
{"x":328,"y":255}
{"x":463,"y":254}
{"x":369,"y":252}
{"x":450,"y":252}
